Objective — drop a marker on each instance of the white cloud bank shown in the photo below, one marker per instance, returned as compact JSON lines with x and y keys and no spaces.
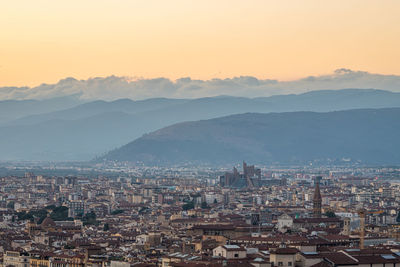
{"x":111,"y":88}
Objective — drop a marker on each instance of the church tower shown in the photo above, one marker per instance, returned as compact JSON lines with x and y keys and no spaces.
{"x":317,"y":200}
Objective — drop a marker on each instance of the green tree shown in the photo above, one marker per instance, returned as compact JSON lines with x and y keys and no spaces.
{"x":22,"y":216}
{"x":50,"y":207}
{"x":188,"y":206}
{"x":143,"y":210}
{"x":11,"y":205}
{"x":39,"y":213}
{"x":69,"y":246}
{"x":330,"y":214}
{"x":59,"y":213}
{"x":204,"y":205}
{"x":115,"y":212}
{"x":90,"y":219}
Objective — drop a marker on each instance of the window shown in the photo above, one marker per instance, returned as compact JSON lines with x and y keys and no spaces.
{"x":236,"y":255}
{"x":289,"y":263}
{"x":280,"y":263}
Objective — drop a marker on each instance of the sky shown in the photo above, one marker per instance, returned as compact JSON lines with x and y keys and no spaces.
{"x":43,"y":41}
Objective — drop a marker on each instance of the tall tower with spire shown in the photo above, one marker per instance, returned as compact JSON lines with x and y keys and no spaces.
{"x":317,"y":200}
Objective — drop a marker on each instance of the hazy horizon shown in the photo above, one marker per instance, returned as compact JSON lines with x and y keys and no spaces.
{"x":115,"y":87}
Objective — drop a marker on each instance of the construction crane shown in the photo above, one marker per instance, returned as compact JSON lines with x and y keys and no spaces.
{"x":362,"y":214}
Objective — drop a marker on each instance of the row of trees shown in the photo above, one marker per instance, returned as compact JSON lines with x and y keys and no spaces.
{"x":56,"y":213}
{"x":190,"y":205}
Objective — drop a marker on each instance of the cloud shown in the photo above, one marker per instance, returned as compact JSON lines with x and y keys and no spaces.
{"x":113,"y":87}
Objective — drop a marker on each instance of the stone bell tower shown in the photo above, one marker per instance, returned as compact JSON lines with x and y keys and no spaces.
{"x":317,"y":200}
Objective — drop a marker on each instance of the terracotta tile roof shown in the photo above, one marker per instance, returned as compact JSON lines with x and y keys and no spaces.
{"x":284,"y":251}
{"x":321,"y":264}
{"x":339,"y":258}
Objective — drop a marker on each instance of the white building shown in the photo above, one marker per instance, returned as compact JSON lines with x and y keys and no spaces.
{"x":283,"y":257}
{"x":16,"y":259}
{"x":284,"y":221}
{"x":230,"y":252}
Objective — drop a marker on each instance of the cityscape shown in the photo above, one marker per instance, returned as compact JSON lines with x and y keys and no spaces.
{"x":189,"y":217}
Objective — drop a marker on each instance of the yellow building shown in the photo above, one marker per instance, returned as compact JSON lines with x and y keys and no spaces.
{"x":39,"y":261}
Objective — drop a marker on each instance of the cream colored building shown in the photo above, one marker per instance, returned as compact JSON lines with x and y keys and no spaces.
{"x":16,"y":259}
{"x":230,"y":252}
{"x":283,"y":257}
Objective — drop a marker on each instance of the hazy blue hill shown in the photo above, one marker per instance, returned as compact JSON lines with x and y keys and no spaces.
{"x":98,"y":107}
{"x":83,"y":131}
{"x":369,"y":135}
{"x":14,"y":109}
{"x":202,"y":108}
{"x":320,"y":101}
{"x":330,"y":100}
{"x":67,"y":139}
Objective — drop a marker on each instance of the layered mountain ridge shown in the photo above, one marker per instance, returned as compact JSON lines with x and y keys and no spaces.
{"x":367,"y":136}
{"x":67,"y":129}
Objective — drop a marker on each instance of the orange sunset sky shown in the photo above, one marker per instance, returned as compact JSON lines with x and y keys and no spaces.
{"x":43,"y":41}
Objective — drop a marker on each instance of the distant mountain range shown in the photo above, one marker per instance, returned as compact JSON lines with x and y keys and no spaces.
{"x":68,"y":129}
{"x":13,"y":109}
{"x":370,"y":136}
